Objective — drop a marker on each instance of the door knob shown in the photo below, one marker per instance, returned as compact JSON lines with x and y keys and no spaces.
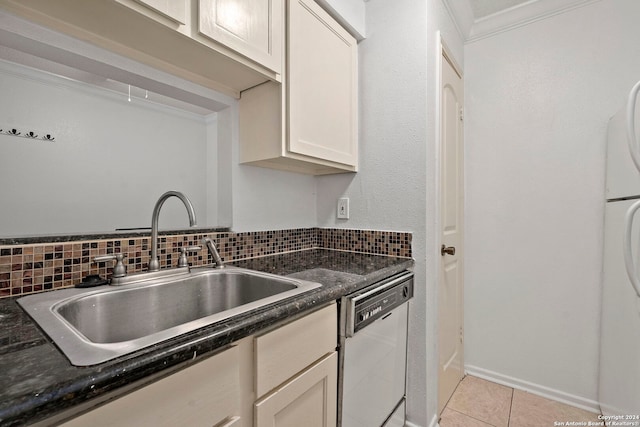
{"x":451,"y":250}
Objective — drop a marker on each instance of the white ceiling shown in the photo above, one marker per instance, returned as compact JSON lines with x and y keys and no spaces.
{"x":476,"y":19}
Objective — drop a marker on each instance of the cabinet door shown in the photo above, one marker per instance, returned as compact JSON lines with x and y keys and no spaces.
{"x":309,"y":399}
{"x":205,"y":394}
{"x":253,"y":28}
{"x":282,"y":353}
{"x":322,"y":85}
{"x":174,"y":10}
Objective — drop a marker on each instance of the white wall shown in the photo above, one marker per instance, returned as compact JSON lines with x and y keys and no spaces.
{"x":109,"y":163}
{"x":267,"y":199}
{"x":223,"y":192}
{"x":395,"y":188}
{"x":212,"y":182}
{"x":538,"y":99}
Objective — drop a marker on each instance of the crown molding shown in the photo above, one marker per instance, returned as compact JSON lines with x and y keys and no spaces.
{"x":472,"y":29}
{"x":462,"y":16}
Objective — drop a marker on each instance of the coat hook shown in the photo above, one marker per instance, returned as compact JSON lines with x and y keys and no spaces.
{"x":27,"y":134}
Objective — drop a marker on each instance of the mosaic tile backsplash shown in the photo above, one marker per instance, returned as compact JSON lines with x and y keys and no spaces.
{"x":26,"y":269}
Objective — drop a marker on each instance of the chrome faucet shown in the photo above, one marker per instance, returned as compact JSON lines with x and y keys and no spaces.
{"x":217,"y":260}
{"x":154,"y":263}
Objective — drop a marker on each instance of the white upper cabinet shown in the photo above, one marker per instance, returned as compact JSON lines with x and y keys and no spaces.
{"x":226,"y":45}
{"x":253,"y":28}
{"x":174,"y":10}
{"x":309,"y":123}
{"x":322,"y":84}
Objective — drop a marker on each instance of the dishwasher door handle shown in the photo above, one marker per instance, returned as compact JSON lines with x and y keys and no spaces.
{"x":376,"y":302}
{"x":377,"y":289}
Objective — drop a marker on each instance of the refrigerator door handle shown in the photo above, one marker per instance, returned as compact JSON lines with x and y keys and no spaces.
{"x":628,"y":254}
{"x":631,"y":125}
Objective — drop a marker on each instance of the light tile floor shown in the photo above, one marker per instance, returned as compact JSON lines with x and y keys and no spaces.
{"x":480,"y":403}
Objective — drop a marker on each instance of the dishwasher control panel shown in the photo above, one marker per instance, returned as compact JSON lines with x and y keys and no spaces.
{"x":376,"y":301}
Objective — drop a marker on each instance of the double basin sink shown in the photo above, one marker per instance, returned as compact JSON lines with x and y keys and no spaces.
{"x":92,"y":326}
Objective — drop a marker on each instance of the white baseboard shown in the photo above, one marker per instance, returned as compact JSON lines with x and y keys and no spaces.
{"x":433,"y":423}
{"x":540,"y":390}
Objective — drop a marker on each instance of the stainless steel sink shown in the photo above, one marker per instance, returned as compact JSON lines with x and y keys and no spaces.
{"x":93,"y":326}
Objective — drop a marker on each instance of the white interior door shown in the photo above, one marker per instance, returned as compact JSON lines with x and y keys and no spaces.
{"x":450,"y":295}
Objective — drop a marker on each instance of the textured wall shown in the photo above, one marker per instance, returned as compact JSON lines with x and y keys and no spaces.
{"x":105,"y":169}
{"x":538,"y":99}
{"x":395,"y":188}
{"x":265,"y":199}
{"x":252,"y":198}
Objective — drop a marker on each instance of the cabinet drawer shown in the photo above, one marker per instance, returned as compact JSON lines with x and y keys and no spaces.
{"x":283,"y":353}
{"x":309,"y":399}
{"x":205,"y":394}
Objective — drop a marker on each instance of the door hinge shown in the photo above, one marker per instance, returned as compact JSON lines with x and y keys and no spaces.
{"x":461,"y":335}
{"x":461,"y":115}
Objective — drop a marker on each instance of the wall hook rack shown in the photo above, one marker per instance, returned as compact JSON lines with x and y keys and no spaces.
{"x":27,"y":134}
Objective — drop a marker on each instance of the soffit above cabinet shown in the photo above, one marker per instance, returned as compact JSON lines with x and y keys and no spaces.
{"x":34,"y":46}
{"x":159,"y":40}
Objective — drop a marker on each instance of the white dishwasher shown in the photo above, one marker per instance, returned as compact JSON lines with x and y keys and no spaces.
{"x":373,"y":340}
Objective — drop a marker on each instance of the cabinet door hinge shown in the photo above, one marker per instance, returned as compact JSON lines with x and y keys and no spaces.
{"x":461,"y":114}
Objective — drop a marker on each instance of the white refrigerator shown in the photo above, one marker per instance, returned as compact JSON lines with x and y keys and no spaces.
{"x":619,"y":378}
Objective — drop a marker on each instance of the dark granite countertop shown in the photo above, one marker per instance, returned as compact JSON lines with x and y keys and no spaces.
{"x":38,"y":382}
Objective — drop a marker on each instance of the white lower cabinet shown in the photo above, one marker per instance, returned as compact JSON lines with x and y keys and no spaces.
{"x":225,"y":45}
{"x":309,"y":399}
{"x":296,"y":373}
{"x":205,"y":394}
{"x":284,"y":377}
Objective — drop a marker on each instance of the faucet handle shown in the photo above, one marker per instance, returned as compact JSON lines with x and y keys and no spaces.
{"x":217,"y":259}
{"x":120,"y":269}
{"x":183,"y":261}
